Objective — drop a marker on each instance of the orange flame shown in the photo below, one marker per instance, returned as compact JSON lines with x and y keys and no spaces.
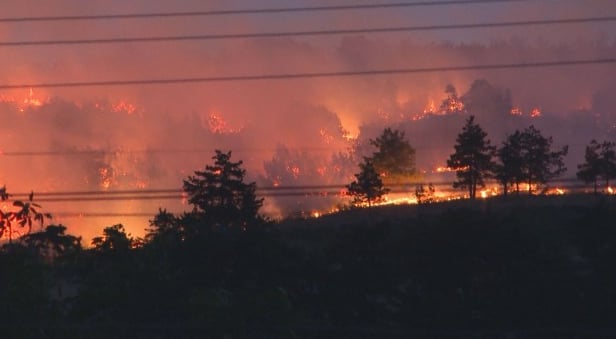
{"x":218,"y":125}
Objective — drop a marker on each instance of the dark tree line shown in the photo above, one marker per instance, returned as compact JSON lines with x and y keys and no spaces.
{"x":472,"y":158}
{"x":221,"y":270}
{"x":524,"y":157}
{"x":392,"y":164}
{"x":600,"y":163}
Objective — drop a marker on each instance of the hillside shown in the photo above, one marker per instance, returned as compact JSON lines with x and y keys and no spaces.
{"x":523,"y":267}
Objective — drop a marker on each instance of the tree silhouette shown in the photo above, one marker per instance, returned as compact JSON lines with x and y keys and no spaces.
{"x":539,"y":162}
{"x":394,"y":159}
{"x":368,"y":187}
{"x":589,"y":171}
{"x":24,"y":216}
{"x":114,"y":239}
{"x":219,"y":195}
{"x":28,"y":212}
{"x":608,"y":162}
{"x":472,"y":158}
{"x":5,"y":219}
{"x":165,"y":228}
{"x":509,"y":170}
{"x":52,"y":242}
{"x":600,"y":162}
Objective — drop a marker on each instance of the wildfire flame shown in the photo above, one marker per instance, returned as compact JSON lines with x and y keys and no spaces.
{"x":29,"y":101}
{"x":535,"y":113}
{"x":451,"y":105}
{"x":124,"y":106}
{"x":106,"y":177}
{"x":328,"y":138}
{"x":218,"y":125}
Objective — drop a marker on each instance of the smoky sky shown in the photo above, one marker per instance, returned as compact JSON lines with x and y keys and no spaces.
{"x":164,"y":132}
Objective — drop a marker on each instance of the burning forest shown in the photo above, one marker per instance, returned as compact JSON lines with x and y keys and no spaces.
{"x":315,"y":169}
{"x":309,"y":133}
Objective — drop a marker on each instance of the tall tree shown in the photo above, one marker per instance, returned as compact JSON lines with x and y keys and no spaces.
{"x":600,"y":162}
{"x":539,"y":162}
{"x":113,"y":240}
{"x":509,"y":170}
{"x":472,"y":158}
{"x":608,"y":162}
{"x":165,"y":228}
{"x":394,"y":158}
{"x":220,"y":196}
{"x":589,"y":171}
{"x":368,"y":186}
{"x":52,"y":242}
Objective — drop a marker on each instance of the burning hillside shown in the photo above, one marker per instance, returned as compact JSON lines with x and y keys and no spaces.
{"x":303,"y":132}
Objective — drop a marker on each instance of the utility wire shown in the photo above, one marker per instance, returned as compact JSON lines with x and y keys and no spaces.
{"x":306,"y":33}
{"x":102,"y":215}
{"x":174,"y":151}
{"x":256,"y":11}
{"x":292,"y":190}
{"x":289,"y":76}
{"x":251,"y":150}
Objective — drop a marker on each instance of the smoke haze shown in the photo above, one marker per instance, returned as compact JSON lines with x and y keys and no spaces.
{"x":152,"y":136}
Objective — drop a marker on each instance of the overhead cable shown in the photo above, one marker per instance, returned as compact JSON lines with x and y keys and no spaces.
{"x":255,"y":11}
{"x":290,"y":76}
{"x":144,"y":39}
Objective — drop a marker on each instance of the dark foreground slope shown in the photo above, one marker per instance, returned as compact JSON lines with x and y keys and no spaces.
{"x":528,"y":267}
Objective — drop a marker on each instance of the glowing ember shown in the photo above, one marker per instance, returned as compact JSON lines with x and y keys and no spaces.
{"x":218,"y":125}
{"x":516,"y":111}
{"x":555,"y":191}
{"x":348,"y":136}
{"x":489,"y":192}
{"x":294,"y":170}
{"x":141,"y":184}
{"x":328,"y":138}
{"x":322,"y":170}
{"x":452,"y":105}
{"x":449,"y":169}
{"x":430,"y":108}
{"x":31,"y":100}
{"x":386,"y":116}
{"x":124,"y":107}
{"x":535,"y":113}
{"x":444,"y":170}
{"x":28,"y":102}
{"x":106,"y":177}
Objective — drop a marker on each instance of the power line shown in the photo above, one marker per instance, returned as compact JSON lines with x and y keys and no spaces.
{"x":255,"y":11}
{"x":306,"y":33}
{"x":102,"y":215}
{"x":289,"y":76}
{"x":175,"y":190}
{"x":170,"y":150}
{"x":176,"y":193}
{"x":188,"y":150}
